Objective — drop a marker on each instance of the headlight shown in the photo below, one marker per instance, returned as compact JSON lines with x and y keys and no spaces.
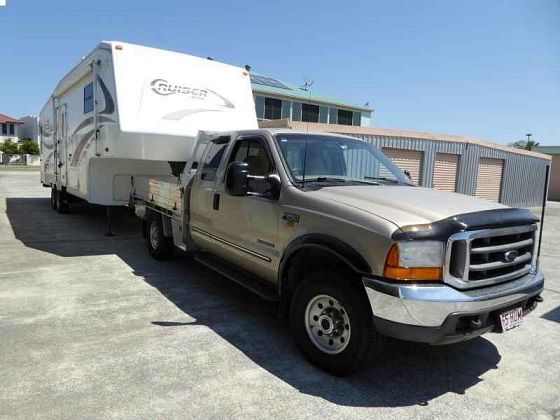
{"x":420,"y":254}
{"x":415,"y":260}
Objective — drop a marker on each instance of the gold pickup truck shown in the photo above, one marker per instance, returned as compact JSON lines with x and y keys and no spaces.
{"x":352,"y":251}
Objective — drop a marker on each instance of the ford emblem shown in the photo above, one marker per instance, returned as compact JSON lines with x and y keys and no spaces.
{"x":511,"y":255}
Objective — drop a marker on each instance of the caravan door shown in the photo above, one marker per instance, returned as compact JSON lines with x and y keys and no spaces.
{"x":61,"y":150}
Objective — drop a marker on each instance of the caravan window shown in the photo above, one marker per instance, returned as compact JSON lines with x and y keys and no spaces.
{"x":88,"y":98}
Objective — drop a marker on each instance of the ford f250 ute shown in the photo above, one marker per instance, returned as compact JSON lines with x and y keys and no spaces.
{"x":332,"y":230}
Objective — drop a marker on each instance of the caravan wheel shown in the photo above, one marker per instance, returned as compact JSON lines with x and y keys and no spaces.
{"x":61,"y":201}
{"x":53,"y":198}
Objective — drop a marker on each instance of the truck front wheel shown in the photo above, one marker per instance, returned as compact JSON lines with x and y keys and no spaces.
{"x":160,"y":247}
{"x":333,"y":324}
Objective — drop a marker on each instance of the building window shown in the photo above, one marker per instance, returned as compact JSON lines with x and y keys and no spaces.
{"x":4,"y":128}
{"x":88,"y":98}
{"x":272,"y":109}
{"x":344,"y":117}
{"x":259,"y":106}
{"x":309,"y":113}
{"x":12,"y":131}
{"x":296,"y":111}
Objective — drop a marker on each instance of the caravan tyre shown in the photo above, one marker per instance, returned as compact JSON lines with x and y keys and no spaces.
{"x":61,"y":201}
{"x":53,"y":198}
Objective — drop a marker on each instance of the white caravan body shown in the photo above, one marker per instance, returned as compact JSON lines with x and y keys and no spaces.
{"x":127,"y":110}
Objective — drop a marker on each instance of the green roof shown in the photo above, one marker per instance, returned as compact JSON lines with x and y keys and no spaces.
{"x":549,"y":150}
{"x":269,"y":85}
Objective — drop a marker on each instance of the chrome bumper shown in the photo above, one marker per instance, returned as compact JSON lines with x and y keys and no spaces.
{"x":430,"y":305}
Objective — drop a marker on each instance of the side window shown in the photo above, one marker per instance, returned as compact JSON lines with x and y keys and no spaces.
{"x":212,"y":161}
{"x":88,"y":98}
{"x":12,"y":128}
{"x":253,"y":152}
{"x":240,"y":151}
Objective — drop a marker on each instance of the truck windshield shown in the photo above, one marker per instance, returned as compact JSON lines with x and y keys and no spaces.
{"x":337,"y":160}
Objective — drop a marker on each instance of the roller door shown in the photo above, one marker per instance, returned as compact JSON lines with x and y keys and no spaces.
{"x":445,"y":172}
{"x":410,"y":160}
{"x":489,"y":178}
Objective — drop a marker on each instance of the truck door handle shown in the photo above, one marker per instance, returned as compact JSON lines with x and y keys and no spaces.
{"x":216,"y":204}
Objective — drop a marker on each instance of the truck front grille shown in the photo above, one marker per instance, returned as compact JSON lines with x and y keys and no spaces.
{"x":489,"y":256}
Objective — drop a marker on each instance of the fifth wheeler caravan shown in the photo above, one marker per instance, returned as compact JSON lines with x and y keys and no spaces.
{"x":128,"y":110}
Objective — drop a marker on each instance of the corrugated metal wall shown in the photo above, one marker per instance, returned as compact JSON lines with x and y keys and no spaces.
{"x":523,"y":177}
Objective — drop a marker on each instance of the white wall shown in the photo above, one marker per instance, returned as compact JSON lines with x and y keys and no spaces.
{"x":14,"y":137}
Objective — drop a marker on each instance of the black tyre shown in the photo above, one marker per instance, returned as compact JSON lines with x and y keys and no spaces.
{"x":61,"y":201}
{"x":332,"y":323}
{"x":160,"y":247}
{"x":53,"y":198}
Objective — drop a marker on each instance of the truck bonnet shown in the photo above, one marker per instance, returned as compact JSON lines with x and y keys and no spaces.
{"x":405,"y":205}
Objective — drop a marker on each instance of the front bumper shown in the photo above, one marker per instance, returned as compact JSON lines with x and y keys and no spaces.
{"x":440,"y":314}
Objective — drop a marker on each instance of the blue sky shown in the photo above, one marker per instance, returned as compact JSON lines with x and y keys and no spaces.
{"x":489,"y":69}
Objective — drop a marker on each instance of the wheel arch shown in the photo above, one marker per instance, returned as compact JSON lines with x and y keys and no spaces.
{"x":165,"y":221}
{"x":338,"y":252}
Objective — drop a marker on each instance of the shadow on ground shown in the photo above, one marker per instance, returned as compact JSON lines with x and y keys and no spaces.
{"x":405,"y":374}
{"x":553,"y":315}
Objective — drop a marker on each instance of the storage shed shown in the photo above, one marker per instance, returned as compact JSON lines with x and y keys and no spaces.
{"x":452,"y":163}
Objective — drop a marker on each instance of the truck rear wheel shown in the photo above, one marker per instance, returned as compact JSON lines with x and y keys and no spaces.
{"x":333,"y":324}
{"x":160,"y":247}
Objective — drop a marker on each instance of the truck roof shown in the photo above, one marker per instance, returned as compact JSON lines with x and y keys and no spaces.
{"x":284,"y":130}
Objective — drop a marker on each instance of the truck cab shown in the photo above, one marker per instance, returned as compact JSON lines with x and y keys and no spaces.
{"x":332,"y":230}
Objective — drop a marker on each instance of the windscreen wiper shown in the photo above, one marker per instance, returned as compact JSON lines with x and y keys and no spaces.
{"x":325,"y":179}
{"x":358,"y":181}
{"x":382,"y":178}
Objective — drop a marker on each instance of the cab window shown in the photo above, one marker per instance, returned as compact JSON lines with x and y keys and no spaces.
{"x":253,"y":151}
{"x":212,"y":161}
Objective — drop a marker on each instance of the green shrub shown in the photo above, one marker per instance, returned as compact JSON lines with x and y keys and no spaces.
{"x":9,"y":147}
{"x":29,"y":147}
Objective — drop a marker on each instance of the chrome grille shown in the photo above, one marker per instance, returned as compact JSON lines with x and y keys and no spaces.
{"x":489,"y":256}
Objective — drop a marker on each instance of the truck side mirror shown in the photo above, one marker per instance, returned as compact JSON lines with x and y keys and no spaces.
{"x":237,"y":179}
{"x":275,"y":184}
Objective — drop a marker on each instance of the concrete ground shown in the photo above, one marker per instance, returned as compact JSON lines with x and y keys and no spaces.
{"x":91,"y":326}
